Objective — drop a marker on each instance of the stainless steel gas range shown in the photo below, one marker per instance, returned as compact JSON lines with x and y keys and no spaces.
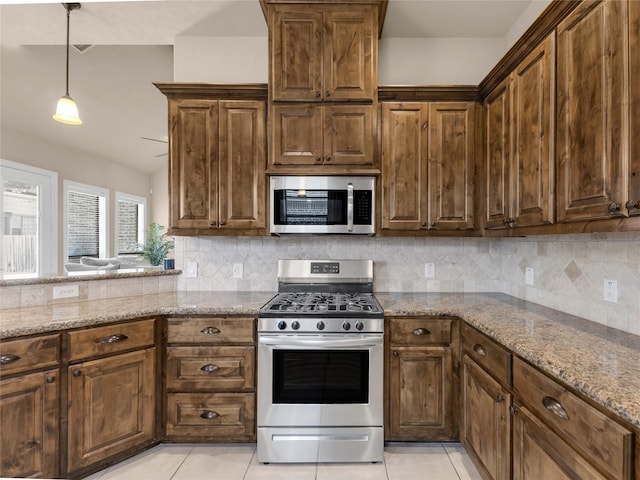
{"x":320,"y":365}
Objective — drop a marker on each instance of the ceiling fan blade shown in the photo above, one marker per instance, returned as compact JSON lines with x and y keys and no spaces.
{"x":154,"y":139}
{"x":161,"y":155}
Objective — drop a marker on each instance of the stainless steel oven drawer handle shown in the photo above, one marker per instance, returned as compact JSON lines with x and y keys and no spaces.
{"x":350,"y":207}
{"x":323,"y":342}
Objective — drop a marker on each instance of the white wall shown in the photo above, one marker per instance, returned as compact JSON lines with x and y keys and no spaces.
{"x":160,"y":197}
{"x":76,"y":166}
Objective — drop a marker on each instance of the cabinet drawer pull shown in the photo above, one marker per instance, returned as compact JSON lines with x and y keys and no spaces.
{"x":210,"y":330}
{"x":421,"y":331}
{"x":210,"y":368}
{"x":479,"y":349}
{"x":8,"y":358}
{"x":118,"y":337}
{"x":555,"y":407}
{"x":210,"y":414}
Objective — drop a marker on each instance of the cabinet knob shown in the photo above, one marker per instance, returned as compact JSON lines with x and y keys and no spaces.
{"x":8,"y":358}
{"x":631,"y":204}
{"x":318,"y":159}
{"x":222,"y":223}
{"x":51,"y":379}
{"x":318,"y":94}
{"x":395,"y":353}
{"x":209,"y":368}
{"x":500,"y":399}
{"x":210,"y":330}
{"x":327,"y":158}
{"x":479,"y":349}
{"x":209,"y":414}
{"x":76,"y":373}
{"x":513,"y":410}
{"x":555,"y":407}
{"x":509,"y":221}
{"x":614,"y":207}
{"x":421,"y":331}
{"x":327,"y":93}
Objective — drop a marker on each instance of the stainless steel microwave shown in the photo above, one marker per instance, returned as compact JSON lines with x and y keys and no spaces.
{"x":322,"y":205}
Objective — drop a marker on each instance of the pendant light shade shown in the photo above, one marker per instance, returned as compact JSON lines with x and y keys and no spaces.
{"x":67,"y":110}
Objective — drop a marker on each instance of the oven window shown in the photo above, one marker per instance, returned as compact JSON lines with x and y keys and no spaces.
{"x":320,"y":376}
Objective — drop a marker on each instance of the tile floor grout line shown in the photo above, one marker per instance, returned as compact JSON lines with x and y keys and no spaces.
{"x":182,"y":462}
{"x":249,"y":464}
{"x":444,"y":446}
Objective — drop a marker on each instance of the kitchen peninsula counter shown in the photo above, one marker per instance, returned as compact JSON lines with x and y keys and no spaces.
{"x":600,"y":362}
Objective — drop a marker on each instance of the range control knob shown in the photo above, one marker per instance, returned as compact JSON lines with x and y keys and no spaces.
{"x":346,"y":325}
{"x":295,"y":325}
{"x":359,"y":325}
{"x":282,"y":325}
{"x":320,"y":325}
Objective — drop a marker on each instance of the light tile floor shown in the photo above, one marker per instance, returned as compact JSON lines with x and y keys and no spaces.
{"x":238,"y":462}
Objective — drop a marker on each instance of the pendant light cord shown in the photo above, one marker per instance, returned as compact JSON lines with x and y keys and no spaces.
{"x":68,"y":20}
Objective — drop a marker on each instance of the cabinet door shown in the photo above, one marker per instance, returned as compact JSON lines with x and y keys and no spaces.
{"x":485,"y":429}
{"x":348,"y":135}
{"x":451,"y":166}
{"x":538,"y":453}
{"x":111,"y":406}
{"x":405,"y":133}
{"x":591,"y":62}
{"x":350,"y":53}
{"x":533,"y":126}
{"x":29,"y":411}
{"x":296,"y":135}
{"x":193,"y":163}
{"x":241,"y":187}
{"x":420,"y":394}
{"x":497,"y":113}
{"x":633,"y":198}
{"x":296,"y":53}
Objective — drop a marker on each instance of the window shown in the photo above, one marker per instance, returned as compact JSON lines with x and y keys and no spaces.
{"x":86,"y":214}
{"x":130,"y":223}
{"x":28,"y":230}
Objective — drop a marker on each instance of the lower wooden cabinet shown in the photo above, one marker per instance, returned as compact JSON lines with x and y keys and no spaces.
{"x":421,"y":383}
{"x":29,"y":421}
{"x":111,"y":406}
{"x":210,"y":379}
{"x":538,"y":453}
{"x":485,"y":423}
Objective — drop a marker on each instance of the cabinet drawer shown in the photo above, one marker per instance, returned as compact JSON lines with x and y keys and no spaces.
{"x":211,"y":368}
{"x":420,"y":331}
{"x":599,"y":438}
{"x":214,"y":417}
{"x":487,"y":353}
{"x":211,"y":330}
{"x":29,"y":353}
{"x":94,"y":342}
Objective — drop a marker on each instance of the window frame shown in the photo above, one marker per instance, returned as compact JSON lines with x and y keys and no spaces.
{"x":48,"y":210}
{"x":103,"y":219}
{"x":142,"y":219}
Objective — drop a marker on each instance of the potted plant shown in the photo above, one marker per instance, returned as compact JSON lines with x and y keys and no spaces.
{"x":155,"y":247}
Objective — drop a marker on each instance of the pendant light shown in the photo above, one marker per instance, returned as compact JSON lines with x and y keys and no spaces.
{"x":67,"y":110}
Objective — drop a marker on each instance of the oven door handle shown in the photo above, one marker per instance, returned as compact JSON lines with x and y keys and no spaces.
{"x":324,"y":342}
{"x":350,"y":207}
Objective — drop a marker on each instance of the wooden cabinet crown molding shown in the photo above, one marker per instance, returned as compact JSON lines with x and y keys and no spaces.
{"x":382,"y":7}
{"x":226,"y":91}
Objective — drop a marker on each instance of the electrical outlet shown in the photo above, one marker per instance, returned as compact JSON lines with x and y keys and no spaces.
{"x":191,"y":270}
{"x":430,"y":270}
{"x":237,"y":270}
{"x":528,"y":276}
{"x":66,"y":291}
{"x":610,"y":291}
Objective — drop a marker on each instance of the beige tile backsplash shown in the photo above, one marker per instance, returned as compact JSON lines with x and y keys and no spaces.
{"x":569,"y":270}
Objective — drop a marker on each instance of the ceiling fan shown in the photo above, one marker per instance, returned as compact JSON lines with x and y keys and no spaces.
{"x":159,"y":140}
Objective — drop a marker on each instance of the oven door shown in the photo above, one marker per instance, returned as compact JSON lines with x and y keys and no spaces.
{"x":320,"y":380}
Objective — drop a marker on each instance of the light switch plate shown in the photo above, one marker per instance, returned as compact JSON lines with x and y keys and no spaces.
{"x":237,"y":270}
{"x":528,"y":276}
{"x":191,"y":270}
{"x":430,"y":270}
{"x":66,"y":291}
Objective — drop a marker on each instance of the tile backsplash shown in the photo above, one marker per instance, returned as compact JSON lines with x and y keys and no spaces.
{"x":569,"y":270}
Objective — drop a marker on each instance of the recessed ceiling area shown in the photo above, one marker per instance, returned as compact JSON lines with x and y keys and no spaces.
{"x":132,"y":47}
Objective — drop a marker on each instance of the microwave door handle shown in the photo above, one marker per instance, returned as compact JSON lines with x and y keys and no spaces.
{"x":350,"y":207}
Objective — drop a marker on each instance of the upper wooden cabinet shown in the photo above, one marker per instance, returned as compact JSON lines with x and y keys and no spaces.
{"x":633,"y":203}
{"x":428,"y":166}
{"x":591,"y":130}
{"x":323,"y":52}
{"x":329,"y":136}
{"x":519,"y":143}
{"x":217,"y":183}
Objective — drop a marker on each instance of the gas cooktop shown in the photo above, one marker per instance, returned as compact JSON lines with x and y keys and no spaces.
{"x":323,"y":304}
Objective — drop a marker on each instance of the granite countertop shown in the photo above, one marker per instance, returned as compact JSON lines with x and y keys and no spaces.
{"x":598,"y":361}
